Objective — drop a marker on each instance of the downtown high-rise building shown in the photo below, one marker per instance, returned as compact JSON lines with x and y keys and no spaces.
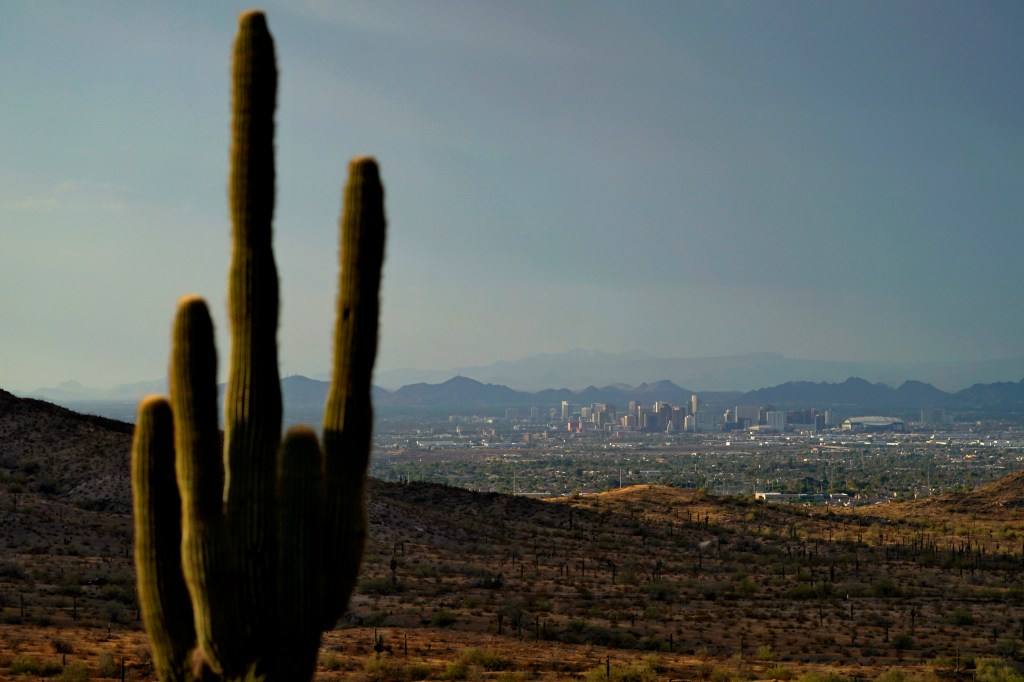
{"x":747,"y":415}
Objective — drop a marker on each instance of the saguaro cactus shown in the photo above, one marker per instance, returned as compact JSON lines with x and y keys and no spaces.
{"x":247,"y":550}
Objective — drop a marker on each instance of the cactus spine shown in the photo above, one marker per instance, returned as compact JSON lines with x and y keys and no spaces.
{"x":252,"y":548}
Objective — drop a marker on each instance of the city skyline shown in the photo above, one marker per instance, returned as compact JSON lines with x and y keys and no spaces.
{"x":827,"y":181}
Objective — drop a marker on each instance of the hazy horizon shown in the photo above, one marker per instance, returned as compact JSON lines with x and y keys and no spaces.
{"x":827,"y":181}
{"x":580,"y":368}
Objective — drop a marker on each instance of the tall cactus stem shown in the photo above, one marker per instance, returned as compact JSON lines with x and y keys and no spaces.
{"x":300,"y":578}
{"x":348,"y":417}
{"x":252,"y":403}
{"x":163,"y":597}
{"x":205,"y":555}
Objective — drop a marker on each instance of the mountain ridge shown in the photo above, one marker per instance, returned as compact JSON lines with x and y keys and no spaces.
{"x":727,"y":373}
{"x":304,"y":397}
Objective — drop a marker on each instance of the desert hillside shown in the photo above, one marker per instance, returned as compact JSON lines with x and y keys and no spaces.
{"x":80,"y":459}
{"x":650,"y":580}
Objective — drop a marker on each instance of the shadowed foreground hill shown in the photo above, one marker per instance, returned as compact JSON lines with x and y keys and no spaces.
{"x":81,"y":459}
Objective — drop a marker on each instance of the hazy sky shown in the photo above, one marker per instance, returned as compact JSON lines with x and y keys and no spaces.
{"x":828,"y":180}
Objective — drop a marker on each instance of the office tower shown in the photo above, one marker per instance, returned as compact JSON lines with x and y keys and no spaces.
{"x":641,"y":417}
{"x":747,"y":415}
{"x":664,"y":412}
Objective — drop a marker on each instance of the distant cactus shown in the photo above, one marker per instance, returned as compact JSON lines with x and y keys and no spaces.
{"x":247,"y":551}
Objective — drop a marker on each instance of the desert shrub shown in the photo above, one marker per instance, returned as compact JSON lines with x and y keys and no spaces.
{"x":961,"y":616}
{"x":30,"y":467}
{"x":25,"y":665}
{"x":746,"y":588}
{"x":1008,"y":647}
{"x":12,"y":571}
{"x":631,"y":673}
{"x":331,"y":662}
{"x":107,"y":667}
{"x":628,"y":576}
{"x":996,"y":670}
{"x":418,"y":671}
{"x":902,"y":642}
{"x":720,"y":674}
{"x":123,"y":595}
{"x":578,"y":631}
{"x":456,"y":670}
{"x":711,"y":590}
{"x":660,"y":590}
{"x":765,"y":652}
{"x":809,"y":591}
{"x":383,"y":669}
{"x":542,"y":605}
{"x":649,"y":613}
{"x":379,"y":586}
{"x":443,"y":618}
{"x":46,"y":486}
{"x":425,"y":571}
{"x":654,"y":662}
{"x":778,"y":672}
{"x":62,"y":646}
{"x":490,"y":582}
{"x":10,"y":618}
{"x":885,"y":588}
{"x":375,"y":619}
{"x":75,"y":672}
{"x":942,"y":662}
{"x":487,"y":659}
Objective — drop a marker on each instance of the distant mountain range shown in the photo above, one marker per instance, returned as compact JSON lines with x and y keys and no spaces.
{"x":589,"y":376}
{"x":463,"y":393}
{"x":304,"y":398}
{"x":579,"y":367}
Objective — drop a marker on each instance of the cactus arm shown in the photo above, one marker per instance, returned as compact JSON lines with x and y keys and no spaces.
{"x":348,"y":416}
{"x":252,"y":403}
{"x":300,"y":580}
{"x":163,"y":597}
{"x":205,"y":555}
